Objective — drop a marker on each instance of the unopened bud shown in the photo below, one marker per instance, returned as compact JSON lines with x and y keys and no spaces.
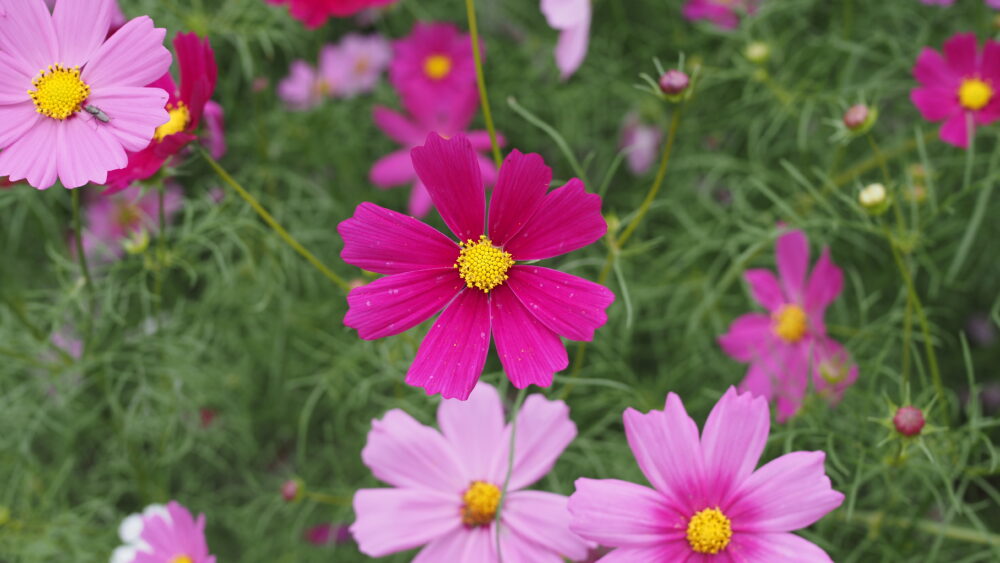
{"x":757,"y":52}
{"x":874,"y":198}
{"x":674,"y":82}
{"x":909,"y":421}
{"x":137,"y":242}
{"x":291,"y":490}
{"x":856,"y":116}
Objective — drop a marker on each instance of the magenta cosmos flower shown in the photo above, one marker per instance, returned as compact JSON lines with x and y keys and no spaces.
{"x":163,"y":534}
{"x":725,"y":14}
{"x":186,"y":106}
{"x":57,"y":72}
{"x":572,"y":19}
{"x":433,"y":67}
{"x":787,"y":345}
{"x":448,"y":485}
{"x":707,"y":502}
{"x":314,"y":13}
{"x":478,"y":280}
{"x":959,"y":87}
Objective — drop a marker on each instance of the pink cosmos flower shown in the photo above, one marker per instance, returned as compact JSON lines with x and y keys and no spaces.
{"x":396,"y":168}
{"x":958,"y":88}
{"x":433,"y":67}
{"x":53,"y":66}
{"x":789,"y":343}
{"x":305,"y":87}
{"x":448,"y":484}
{"x":314,"y":13}
{"x":186,"y":106}
{"x":641,"y":143}
{"x":707,"y":502}
{"x":725,"y":14}
{"x":117,"y":17}
{"x":365,"y":57}
{"x":478,"y":280}
{"x":163,"y":534}
{"x":116,"y":220}
{"x":572,"y":19}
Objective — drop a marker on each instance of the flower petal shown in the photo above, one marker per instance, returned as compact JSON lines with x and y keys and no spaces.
{"x":529,"y":351}
{"x":792,"y":250}
{"x":198,"y":71}
{"x":568,"y":305}
{"x":450,"y":171}
{"x":787,"y":494}
{"x":81,"y":27}
{"x":474,"y":427}
{"x":420,"y":201}
{"x":31,"y":157}
{"x":568,"y":218}
{"x":399,"y":302}
{"x":393,"y":169}
{"x":825,"y":283}
{"x":935,"y":103}
{"x":543,"y":519}
{"x":135,"y":113}
{"x":544,"y":429}
{"x":14,"y":82}
{"x":733,"y":439}
{"x":392,"y":520}
{"x":775,"y":547}
{"x":18,"y":119}
{"x":86,"y":153}
{"x":524,"y":179}
{"x":562,"y":14}
{"x":791,"y":368}
{"x":956,"y":132}
{"x":622,"y":514}
{"x":452,"y":355}
{"x":404,"y":453}
{"x":464,"y":544}
{"x":765,"y":288}
{"x":133,"y":56}
{"x":748,"y":337}
{"x":397,"y":127}
{"x":385,"y":241}
{"x":670,"y":551}
{"x":571,"y":48}
{"x":960,"y":51}
{"x":27,"y":33}
{"x":932,"y":70}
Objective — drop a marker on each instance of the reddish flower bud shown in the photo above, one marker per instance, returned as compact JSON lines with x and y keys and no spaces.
{"x":856,"y":116}
{"x":290,"y":490}
{"x":674,"y":82}
{"x":909,"y":421}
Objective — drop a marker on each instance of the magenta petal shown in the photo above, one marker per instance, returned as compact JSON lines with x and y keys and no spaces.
{"x":524,"y":179}
{"x":932,"y":70}
{"x":81,"y":27}
{"x":451,"y":357}
{"x":399,"y":302}
{"x":765,"y":288}
{"x":825,"y":283}
{"x":31,"y":157}
{"x":391,"y":520}
{"x":960,"y":53}
{"x":570,"y":306}
{"x":568,"y":218}
{"x":397,"y":127}
{"x":543,"y":519}
{"x":935,"y":103}
{"x":787,"y":494}
{"x":748,"y":337}
{"x":27,"y":33}
{"x":775,"y":547}
{"x":474,"y":427}
{"x":529,"y":351}
{"x":791,"y":364}
{"x":544,"y":429}
{"x":733,"y":439}
{"x":450,"y":171}
{"x":133,"y":56}
{"x":792,"y":250}
{"x":385,"y":241}
{"x":198,"y":70}
{"x":393,"y":169}
{"x":622,"y":514}
{"x":404,"y":453}
{"x":420,"y":201}
{"x":678,"y":550}
{"x":955,"y":131}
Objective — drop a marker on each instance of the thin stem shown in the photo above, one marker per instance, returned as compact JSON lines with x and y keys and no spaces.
{"x":274,"y":224}
{"x":326,"y":499}
{"x":875,"y":520}
{"x":470,"y":8}
{"x":871,"y":162}
{"x":880,"y":157}
{"x":979,"y":211}
{"x":78,"y":239}
{"x":510,"y":462}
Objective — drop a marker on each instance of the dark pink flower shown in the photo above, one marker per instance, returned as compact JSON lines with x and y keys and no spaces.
{"x":787,"y":345}
{"x":314,"y":13}
{"x":960,"y":87}
{"x":478,"y":281}
{"x":433,"y":68}
{"x":708,"y":503}
{"x":723,"y":13}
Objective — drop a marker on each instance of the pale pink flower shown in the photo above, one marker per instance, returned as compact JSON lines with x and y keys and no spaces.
{"x":707,"y":502}
{"x":163,"y":534}
{"x":113,"y":220}
{"x":447,"y":484}
{"x":641,"y":143}
{"x":306,"y":87}
{"x":366,"y":57}
{"x":572,"y":19}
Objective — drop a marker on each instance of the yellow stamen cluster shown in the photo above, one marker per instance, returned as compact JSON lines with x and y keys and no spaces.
{"x":974,"y":94}
{"x":483,"y":265}
{"x":437,"y":67}
{"x":709,"y":531}
{"x":179,"y":119}
{"x":361,"y":65}
{"x":59,"y":92}
{"x":181,"y":559}
{"x":481,"y":502}
{"x":790,"y":323}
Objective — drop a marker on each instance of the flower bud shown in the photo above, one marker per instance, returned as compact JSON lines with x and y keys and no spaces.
{"x":674,"y":82}
{"x":291,"y":490}
{"x":856,"y":116}
{"x":874,"y":198}
{"x":757,"y":52}
{"x":137,"y":242}
{"x":909,"y":421}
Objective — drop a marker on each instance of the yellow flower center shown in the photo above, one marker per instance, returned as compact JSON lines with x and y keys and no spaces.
{"x":482,"y":265}
{"x":437,"y":67}
{"x":790,"y":323}
{"x":709,"y":531}
{"x":181,"y":559}
{"x":481,"y":502}
{"x":179,"y":119}
{"x":361,"y":65}
{"x":974,"y":94}
{"x":59,"y":92}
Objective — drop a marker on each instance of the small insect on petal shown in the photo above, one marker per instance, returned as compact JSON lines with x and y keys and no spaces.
{"x":97,"y":112}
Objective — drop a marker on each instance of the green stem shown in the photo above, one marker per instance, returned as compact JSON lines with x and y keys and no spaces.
{"x":510,"y":462}
{"x":887,"y":179}
{"x":875,"y":520}
{"x":470,"y":8}
{"x":978,"y":212}
{"x":274,"y":224}
{"x":78,"y":236}
{"x":871,"y":162}
{"x":326,"y":499}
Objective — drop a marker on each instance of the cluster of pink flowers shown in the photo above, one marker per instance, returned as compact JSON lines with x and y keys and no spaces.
{"x":314,"y":13}
{"x":346,"y":69}
{"x":725,"y":14}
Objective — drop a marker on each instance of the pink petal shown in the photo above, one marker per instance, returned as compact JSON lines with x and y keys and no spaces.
{"x":450,"y":171}
{"x":792,"y":251}
{"x":488,"y":169}
{"x":935,"y":103}
{"x":18,"y":119}
{"x":733,"y":439}
{"x":572,"y":46}
{"x":86,"y":153}
{"x":529,"y":352}
{"x":765,"y":288}
{"x":990,"y":66}
{"x":198,"y":70}
{"x":523,"y":181}
{"x":748,"y":336}
{"x":622,"y":514}
{"x":825,"y":283}
{"x":960,"y":52}
{"x":14,"y":82}
{"x":787,"y":494}
{"x":385,"y":241}
{"x":464,"y":544}
{"x":27,"y":33}
{"x":775,"y":547}
{"x":515,"y":548}
{"x":931,"y":70}
{"x":543,"y":519}
{"x":562,"y":14}
{"x":31,"y":157}
{"x":544,"y":429}
{"x":81,"y":26}
{"x":568,"y":218}
{"x":480,"y":141}
{"x":955,"y":130}
{"x":399,"y":302}
{"x":451,"y":357}
{"x":668,"y":451}
{"x":133,"y":56}
{"x":397,"y":127}
{"x":474,"y":427}
{"x":569,"y":306}
{"x":393,"y":169}
{"x":420,"y":201}
{"x":392,"y":520}
{"x":214,"y":135}
{"x":671,"y":551}
{"x":135,"y":113}
{"x":404,"y":453}
{"x":791,"y":368}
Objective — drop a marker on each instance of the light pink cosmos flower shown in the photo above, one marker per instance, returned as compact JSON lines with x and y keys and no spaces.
{"x":958,"y":88}
{"x":163,"y":534}
{"x":314,"y":13}
{"x":572,"y":19}
{"x":725,"y":14}
{"x":448,"y":484}
{"x":52,"y":67}
{"x":433,"y":67}
{"x":115,"y":220}
{"x":117,"y":17}
{"x":396,"y":168}
{"x":707,"y":502}
{"x":305,"y":87}
{"x":641,"y":143}
{"x":478,"y":280}
{"x":789,"y":343}
{"x":365,"y":57}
